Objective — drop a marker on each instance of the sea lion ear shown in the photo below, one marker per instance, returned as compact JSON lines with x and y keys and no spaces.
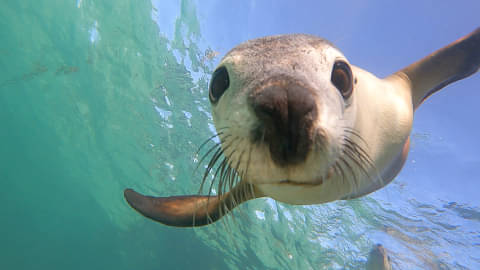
{"x":189,"y":211}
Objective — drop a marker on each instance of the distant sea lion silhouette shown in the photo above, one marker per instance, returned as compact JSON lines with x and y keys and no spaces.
{"x":298,"y":123}
{"x":378,"y":259}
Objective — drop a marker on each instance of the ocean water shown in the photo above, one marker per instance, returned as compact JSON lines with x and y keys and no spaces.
{"x":98,"y":96}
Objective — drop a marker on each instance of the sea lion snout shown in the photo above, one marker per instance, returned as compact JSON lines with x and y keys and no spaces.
{"x":286,"y":111}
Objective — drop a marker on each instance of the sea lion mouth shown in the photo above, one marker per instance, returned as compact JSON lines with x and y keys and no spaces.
{"x":315,"y":183}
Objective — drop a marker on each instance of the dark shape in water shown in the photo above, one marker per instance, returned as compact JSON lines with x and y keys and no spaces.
{"x":378,"y":259}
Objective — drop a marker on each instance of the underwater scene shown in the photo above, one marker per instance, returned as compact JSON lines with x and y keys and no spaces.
{"x":100,"y":96}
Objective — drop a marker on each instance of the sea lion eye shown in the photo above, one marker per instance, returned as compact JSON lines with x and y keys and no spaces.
{"x":219,"y":84}
{"x":342,"y":78}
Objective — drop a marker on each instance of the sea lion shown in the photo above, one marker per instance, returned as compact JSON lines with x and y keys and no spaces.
{"x":300,"y":124}
{"x":378,"y":259}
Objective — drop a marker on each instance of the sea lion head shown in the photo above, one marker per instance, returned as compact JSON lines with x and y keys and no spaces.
{"x":284,"y":108}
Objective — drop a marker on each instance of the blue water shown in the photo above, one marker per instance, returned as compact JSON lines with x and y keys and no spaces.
{"x":97,"y":96}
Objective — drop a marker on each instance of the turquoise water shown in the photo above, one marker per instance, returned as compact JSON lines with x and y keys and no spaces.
{"x":96,"y":97}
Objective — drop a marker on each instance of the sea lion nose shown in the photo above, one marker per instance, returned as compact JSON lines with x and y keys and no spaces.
{"x":286,"y":111}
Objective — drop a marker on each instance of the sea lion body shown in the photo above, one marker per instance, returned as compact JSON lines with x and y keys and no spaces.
{"x":298,"y":123}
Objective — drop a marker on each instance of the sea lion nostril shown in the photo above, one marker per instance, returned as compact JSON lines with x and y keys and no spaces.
{"x":286,"y":110}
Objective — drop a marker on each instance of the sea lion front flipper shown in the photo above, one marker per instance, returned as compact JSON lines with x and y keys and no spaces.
{"x":190,"y":211}
{"x":454,"y":62}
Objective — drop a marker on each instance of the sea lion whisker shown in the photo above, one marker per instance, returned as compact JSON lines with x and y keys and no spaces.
{"x":216,"y":144}
{"x":223,"y":128}
{"x":204,"y":156}
{"x":207,"y":141}
{"x":211,"y":149}
{"x":233,"y":198}
{"x":226,"y":177}
{"x":342,"y":172}
{"x":225,"y":168}
{"x":360,"y":151}
{"x":218,"y":170}
{"x":352,"y":131}
{"x":242,"y":195}
{"x":236,"y":168}
{"x":232,"y":177}
{"x":352,"y":172}
{"x":246,"y":172}
{"x":210,"y":165}
{"x":355,"y":134}
{"x":221,"y":167}
{"x":358,"y":163}
{"x":357,"y":157}
{"x":218,"y":152}
{"x":364,"y":155}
